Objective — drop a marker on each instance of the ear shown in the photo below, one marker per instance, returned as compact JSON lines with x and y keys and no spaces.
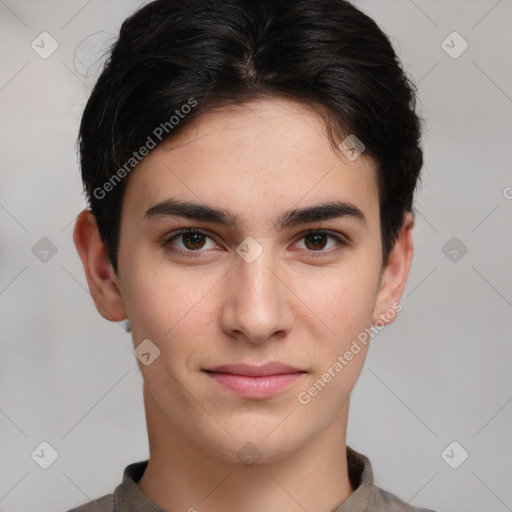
{"x":394,"y":276}
{"x":102,"y":280}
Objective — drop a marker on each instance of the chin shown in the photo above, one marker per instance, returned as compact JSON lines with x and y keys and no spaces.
{"x":262,"y":442}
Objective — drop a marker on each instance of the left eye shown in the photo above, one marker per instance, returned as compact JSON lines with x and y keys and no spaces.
{"x":317,"y":240}
{"x":194,"y":240}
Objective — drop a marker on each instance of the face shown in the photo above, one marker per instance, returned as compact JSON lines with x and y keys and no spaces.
{"x":282,"y":268}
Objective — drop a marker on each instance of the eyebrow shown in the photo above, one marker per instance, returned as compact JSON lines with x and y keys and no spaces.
{"x":172,"y":208}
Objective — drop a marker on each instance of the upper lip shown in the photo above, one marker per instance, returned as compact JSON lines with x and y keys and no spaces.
{"x":273,"y":368}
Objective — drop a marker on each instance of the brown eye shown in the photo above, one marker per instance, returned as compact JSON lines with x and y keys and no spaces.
{"x":189,"y":242}
{"x":193,"y":241}
{"x":316,"y":240}
{"x":320,"y":241}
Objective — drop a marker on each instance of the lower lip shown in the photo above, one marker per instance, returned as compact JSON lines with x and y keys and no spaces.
{"x":256,"y":387}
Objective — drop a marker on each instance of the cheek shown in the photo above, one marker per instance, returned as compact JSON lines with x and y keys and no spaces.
{"x":342,"y":307}
{"x":170,"y":308}
{"x":343,"y":299}
{"x":343,"y":304}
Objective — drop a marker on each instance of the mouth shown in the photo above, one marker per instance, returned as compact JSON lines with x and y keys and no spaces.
{"x":251,"y":381}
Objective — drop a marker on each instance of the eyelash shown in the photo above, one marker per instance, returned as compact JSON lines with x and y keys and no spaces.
{"x":167,"y":241}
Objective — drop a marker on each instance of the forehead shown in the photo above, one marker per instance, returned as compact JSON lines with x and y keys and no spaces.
{"x":256,"y":157}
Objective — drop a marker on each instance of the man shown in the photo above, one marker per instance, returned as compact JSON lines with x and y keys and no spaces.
{"x":250,"y":167}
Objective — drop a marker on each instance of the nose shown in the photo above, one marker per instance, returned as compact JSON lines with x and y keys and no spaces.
{"x":258,"y":303}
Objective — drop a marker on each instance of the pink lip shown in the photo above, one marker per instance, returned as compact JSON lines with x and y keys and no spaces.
{"x":255,"y":381}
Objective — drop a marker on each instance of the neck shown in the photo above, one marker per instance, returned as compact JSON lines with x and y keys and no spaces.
{"x":181,"y":476}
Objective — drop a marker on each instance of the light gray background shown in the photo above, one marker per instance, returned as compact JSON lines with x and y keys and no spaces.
{"x":440,"y":373}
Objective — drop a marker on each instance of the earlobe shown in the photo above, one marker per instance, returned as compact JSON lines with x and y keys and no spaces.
{"x":394,"y":278}
{"x":102,"y":281}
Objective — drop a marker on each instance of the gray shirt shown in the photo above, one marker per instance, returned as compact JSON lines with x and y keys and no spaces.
{"x":366,"y":497}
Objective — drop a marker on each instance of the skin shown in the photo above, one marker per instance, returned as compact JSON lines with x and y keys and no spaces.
{"x":255,"y":160}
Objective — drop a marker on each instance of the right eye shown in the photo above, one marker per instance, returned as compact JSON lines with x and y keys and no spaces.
{"x":192,"y":242}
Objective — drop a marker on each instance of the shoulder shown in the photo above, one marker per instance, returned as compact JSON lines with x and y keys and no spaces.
{"x":384,"y":501}
{"x":103,"y":504}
